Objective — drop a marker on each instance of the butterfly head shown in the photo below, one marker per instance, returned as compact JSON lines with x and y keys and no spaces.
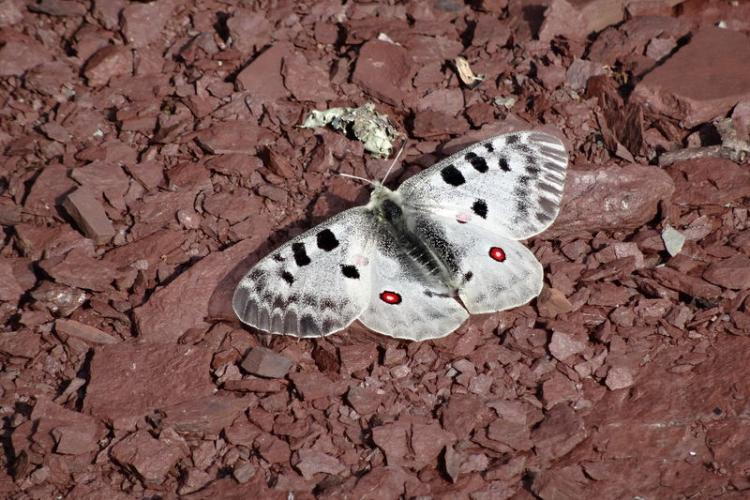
{"x":380,"y":193}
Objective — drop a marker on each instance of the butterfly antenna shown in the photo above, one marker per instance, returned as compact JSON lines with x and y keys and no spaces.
{"x":393,"y":164}
{"x":355,"y":177}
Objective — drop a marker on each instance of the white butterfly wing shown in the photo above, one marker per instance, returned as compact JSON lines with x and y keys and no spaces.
{"x":403,"y":306}
{"x":510,"y":185}
{"x":493,"y":273}
{"x":315,"y":284}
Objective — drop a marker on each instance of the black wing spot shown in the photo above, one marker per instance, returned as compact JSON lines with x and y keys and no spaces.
{"x":480,"y":208}
{"x":300,"y":254}
{"x":468,"y":276}
{"x":521,"y":192}
{"x":502,"y":162}
{"x":512,"y":139}
{"x":278,"y":258}
{"x":523,"y":207}
{"x":350,"y":272}
{"x":287,"y":276}
{"x":488,"y":146}
{"x":452,"y":175}
{"x":479,"y":164}
{"x":327,"y":240}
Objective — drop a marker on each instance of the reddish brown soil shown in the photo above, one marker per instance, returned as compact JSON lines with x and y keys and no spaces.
{"x":151,"y":153}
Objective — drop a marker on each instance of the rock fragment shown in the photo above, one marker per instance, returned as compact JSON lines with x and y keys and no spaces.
{"x":106,"y":63}
{"x":189,"y":296}
{"x":128,"y":380}
{"x":673,"y":240}
{"x":89,"y":215}
{"x":150,"y":459}
{"x":732,"y":273}
{"x":266,"y":363}
{"x":310,"y":462}
{"x":381,"y":70}
{"x":610,"y":198}
{"x":83,"y":332}
{"x":702,"y":97}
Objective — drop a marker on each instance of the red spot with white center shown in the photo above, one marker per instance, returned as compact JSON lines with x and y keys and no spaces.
{"x":390,"y":297}
{"x":498,"y":254}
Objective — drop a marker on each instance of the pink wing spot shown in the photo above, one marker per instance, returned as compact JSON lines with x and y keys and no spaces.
{"x":463,"y":217}
{"x":361,"y":260}
{"x":390,"y":297}
{"x":497,"y":254}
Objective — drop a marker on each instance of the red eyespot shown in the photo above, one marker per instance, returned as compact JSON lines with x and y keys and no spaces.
{"x":497,"y":254}
{"x":390,"y":297}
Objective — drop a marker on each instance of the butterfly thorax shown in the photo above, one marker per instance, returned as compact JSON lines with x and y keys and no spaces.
{"x":413,"y":251}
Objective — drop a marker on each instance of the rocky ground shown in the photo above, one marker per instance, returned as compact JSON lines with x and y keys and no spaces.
{"x":151,"y":152}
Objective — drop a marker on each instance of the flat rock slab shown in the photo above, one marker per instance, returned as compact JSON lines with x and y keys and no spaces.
{"x":184,"y":303}
{"x":58,"y":429}
{"x":205,"y":416}
{"x":610,"y":198}
{"x":151,"y":459}
{"x":709,"y":181}
{"x":90,"y":334}
{"x":129,"y":380}
{"x":674,"y":417}
{"x":381,"y":70}
{"x":89,"y":215}
{"x":266,"y":363}
{"x":718,"y":78}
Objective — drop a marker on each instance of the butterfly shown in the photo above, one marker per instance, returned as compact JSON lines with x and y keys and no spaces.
{"x":414,"y":262}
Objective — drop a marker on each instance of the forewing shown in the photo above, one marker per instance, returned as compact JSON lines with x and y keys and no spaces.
{"x":510,"y":185}
{"x":315,"y":284}
{"x":404,"y":304}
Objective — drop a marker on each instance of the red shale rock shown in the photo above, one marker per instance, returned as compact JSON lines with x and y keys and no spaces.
{"x":266,"y":363}
{"x":184,"y":303}
{"x":106,"y":63}
{"x":56,"y":428}
{"x":262,"y":77}
{"x":733,"y":273}
{"x":150,"y":459}
{"x":576,"y":19}
{"x":206,"y":415}
{"x":128,"y":380}
{"x":311,"y":462}
{"x":381,"y":70}
{"x":87,"y":333}
{"x":709,"y":181}
{"x":90,"y":216}
{"x":610,"y":198}
{"x":702,"y":96}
